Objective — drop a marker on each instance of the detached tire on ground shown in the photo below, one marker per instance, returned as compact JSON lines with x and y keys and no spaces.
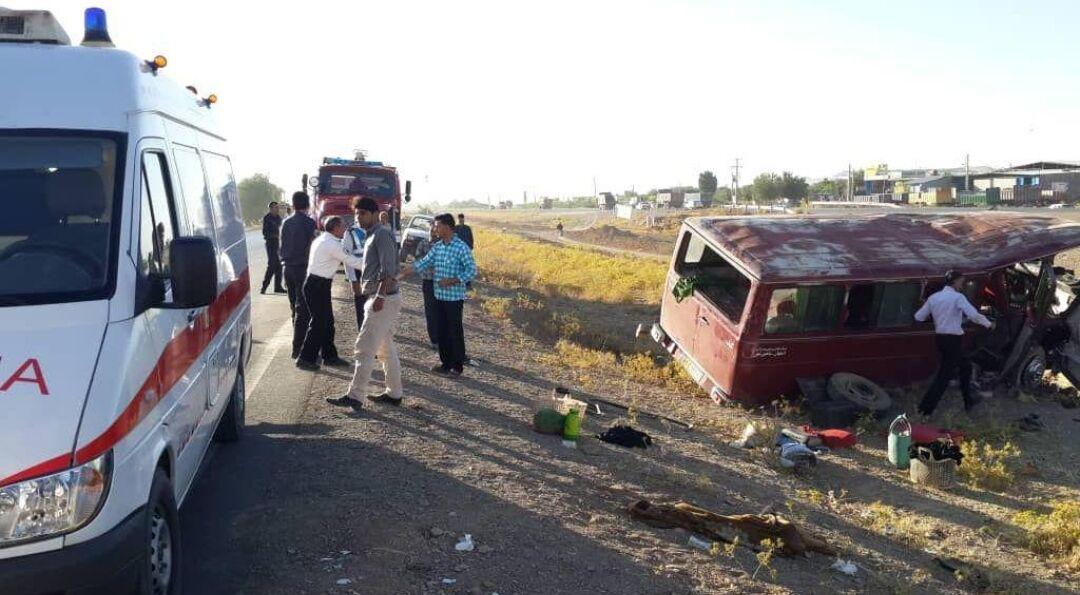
{"x":231,"y":426}
{"x":859,"y":391}
{"x":160,"y":573}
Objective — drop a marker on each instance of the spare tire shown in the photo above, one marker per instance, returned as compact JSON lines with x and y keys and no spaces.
{"x":858,"y":390}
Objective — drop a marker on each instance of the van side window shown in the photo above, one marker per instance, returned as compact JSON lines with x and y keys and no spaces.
{"x":228,"y":222}
{"x":803,"y":309}
{"x":157,"y":223}
{"x":881,"y":305}
{"x":716,"y":278}
{"x":193,"y":184}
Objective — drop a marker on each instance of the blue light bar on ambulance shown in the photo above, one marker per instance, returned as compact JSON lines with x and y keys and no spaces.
{"x":340,"y":161}
{"x":97,"y":29}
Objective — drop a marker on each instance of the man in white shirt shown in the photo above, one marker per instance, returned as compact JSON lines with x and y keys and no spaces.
{"x":327,"y":255}
{"x":948,"y":308}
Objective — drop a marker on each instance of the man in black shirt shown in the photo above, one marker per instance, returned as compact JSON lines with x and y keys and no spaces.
{"x":464,"y":231}
{"x":297,"y":233}
{"x":271,"y":231}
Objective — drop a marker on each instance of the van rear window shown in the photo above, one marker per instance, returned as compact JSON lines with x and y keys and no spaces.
{"x":714,"y":277}
{"x":803,"y":309}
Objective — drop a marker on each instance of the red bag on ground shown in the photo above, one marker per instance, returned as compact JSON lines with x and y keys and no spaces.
{"x":925,"y":434}
{"x":832,"y":438}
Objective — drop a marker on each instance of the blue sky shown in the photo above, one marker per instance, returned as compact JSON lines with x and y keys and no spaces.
{"x":484,"y":98}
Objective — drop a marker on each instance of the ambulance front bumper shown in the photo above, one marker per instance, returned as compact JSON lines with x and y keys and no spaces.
{"x":106,"y":564}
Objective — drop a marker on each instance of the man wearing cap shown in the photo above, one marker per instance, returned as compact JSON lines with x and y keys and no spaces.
{"x":948,"y":308}
{"x":382,"y":307}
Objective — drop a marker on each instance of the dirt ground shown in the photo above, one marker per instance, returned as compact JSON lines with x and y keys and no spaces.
{"x":388,"y":492}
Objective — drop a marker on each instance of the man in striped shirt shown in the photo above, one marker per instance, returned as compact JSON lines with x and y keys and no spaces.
{"x":453,"y":265}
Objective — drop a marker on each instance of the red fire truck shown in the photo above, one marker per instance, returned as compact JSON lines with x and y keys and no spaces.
{"x":341,"y":181}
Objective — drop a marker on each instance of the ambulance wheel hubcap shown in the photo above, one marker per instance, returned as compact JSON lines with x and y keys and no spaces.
{"x":1033,"y":372}
{"x":160,"y":553}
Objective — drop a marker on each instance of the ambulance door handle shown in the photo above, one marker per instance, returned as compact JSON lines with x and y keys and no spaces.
{"x":191,"y":316}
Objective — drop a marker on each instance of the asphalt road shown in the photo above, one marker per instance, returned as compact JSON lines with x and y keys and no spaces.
{"x":227,"y":484}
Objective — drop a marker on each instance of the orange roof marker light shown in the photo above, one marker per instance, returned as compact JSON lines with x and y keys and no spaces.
{"x":157,"y":63}
{"x":211,"y":100}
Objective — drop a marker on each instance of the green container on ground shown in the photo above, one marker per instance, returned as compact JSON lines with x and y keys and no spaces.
{"x":572,"y":426}
{"x":899,"y":441}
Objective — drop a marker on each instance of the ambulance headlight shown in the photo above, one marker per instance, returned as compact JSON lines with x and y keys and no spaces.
{"x":54,"y":504}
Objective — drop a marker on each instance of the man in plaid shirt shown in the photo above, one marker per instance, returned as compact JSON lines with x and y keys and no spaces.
{"x":453,"y":265}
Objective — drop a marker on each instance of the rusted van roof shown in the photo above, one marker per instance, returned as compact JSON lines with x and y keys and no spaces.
{"x":884,"y":246}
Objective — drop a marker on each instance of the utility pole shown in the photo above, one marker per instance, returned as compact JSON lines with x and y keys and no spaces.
{"x":850,"y":184}
{"x":594,"y":186}
{"x":735,"y":182}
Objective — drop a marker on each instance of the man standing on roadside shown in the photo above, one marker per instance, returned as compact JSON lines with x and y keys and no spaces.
{"x":326,"y":256}
{"x":464,"y":231}
{"x":948,"y":308}
{"x":452,"y":262}
{"x":378,"y":284}
{"x":271,"y":232}
{"x":427,"y":279}
{"x":353,"y":243}
{"x":297,"y":233}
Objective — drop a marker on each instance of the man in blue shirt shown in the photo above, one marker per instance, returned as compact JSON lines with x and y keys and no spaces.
{"x":452,"y":262}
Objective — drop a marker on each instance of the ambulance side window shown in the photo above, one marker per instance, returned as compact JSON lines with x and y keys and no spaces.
{"x":158,"y":218}
{"x":196,"y":196}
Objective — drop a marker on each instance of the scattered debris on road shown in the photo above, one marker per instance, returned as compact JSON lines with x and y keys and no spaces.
{"x":466,"y":544}
{"x":846,"y":567}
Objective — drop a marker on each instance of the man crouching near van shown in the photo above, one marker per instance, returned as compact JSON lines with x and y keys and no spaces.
{"x":948,"y":308}
{"x":382,"y":307}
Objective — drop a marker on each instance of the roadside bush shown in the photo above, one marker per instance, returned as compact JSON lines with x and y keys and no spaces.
{"x":1055,"y":534}
{"x":639,"y":367}
{"x":987,"y":467}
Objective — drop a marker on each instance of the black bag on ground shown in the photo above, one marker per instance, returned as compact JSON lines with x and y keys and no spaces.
{"x":626,"y":436}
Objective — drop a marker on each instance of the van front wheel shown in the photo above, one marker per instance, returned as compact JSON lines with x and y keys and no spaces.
{"x":161,"y":568}
{"x":232,"y":421}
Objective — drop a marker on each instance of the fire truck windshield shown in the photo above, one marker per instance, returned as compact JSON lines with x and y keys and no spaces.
{"x":371,"y":184}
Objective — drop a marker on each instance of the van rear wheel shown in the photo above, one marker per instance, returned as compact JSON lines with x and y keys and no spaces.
{"x":160,"y":573}
{"x":231,"y":426}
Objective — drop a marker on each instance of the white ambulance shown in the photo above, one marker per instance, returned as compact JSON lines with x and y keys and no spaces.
{"x":125,"y":314}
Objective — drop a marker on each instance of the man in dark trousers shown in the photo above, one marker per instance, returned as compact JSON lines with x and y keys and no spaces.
{"x":454,"y":267}
{"x":948,"y":308}
{"x":271,"y":231}
{"x":327,"y":254}
{"x":427,"y":279}
{"x":297,"y":233}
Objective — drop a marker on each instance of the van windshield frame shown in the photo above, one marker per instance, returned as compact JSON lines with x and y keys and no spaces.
{"x":107,"y":289}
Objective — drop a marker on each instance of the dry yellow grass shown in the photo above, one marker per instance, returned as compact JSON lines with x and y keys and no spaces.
{"x":1055,"y":534}
{"x":567,"y":271}
{"x":988,"y":467}
{"x":639,"y":367}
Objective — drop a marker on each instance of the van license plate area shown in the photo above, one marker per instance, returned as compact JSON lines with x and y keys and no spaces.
{"x":694,"y":370}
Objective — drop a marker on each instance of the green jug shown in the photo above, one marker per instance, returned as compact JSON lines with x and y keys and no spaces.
{"x":572,"y":426}
{"x":899,"y":441}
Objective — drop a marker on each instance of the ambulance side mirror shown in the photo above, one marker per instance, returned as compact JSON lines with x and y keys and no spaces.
{"x":194,"y":272}
{"x":408,"y":190}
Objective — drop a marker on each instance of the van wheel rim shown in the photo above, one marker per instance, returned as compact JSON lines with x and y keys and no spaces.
{"x":1033,"y":372}
{"x":160,"y":553}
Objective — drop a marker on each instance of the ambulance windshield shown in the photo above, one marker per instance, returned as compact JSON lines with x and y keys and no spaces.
{"x":56,"y":217}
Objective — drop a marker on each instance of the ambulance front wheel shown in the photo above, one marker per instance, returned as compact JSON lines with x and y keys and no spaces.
{"x":161,"y":567}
